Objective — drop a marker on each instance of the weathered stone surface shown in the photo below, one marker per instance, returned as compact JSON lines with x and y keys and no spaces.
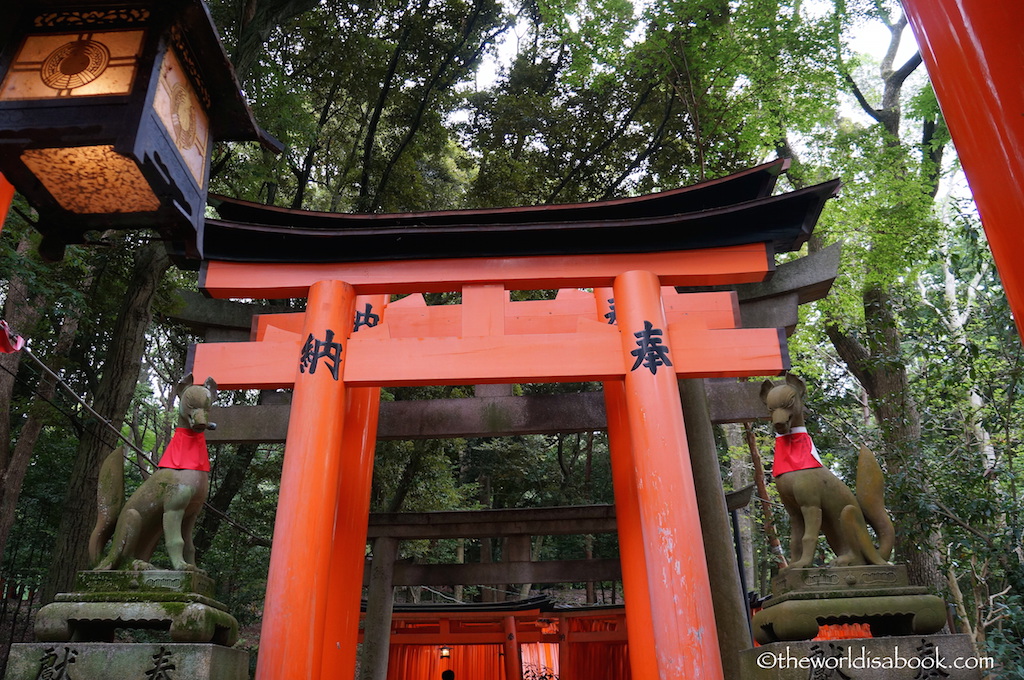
{"x":107,"y":661}
{"x":810,"y":277}
{"x":888,"y":615}
{"x":96,"y":621}
{"x":892,"y":658}
{"x":840,"y":581}
{"x":151,"y":580}
{"x":180,"y":602}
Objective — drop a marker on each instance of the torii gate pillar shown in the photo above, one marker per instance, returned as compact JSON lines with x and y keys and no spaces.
{"x":676,"y":568}
{"x":300,"y":564}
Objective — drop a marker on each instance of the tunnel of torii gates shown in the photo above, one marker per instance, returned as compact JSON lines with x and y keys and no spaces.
{"x":634,"y":333}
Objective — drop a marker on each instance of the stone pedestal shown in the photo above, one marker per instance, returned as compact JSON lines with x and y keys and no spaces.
{"x":77,"y":630}
{"x":950,"y":657}
{"x":106,"y":661}
{"x":179,"y":602}
{"x":804,"y":599}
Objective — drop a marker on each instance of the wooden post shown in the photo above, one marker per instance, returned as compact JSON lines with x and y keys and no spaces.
{"x":359,"y":439}
{"x":731,"y":611}
{"x":685,"y":638}
{"x":296,"y":605}
{"x":513,"y":654}
{"x":565,"y":658}
{"x":379,"y":606}
{"x":762,"y":494}
{"x":639,"y":622}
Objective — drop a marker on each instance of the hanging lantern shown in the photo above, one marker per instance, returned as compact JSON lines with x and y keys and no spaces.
{"x":108,"y":112}
{"x":446,"y":652}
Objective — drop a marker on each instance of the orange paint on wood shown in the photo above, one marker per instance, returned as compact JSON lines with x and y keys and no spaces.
{"x":590,"y":355}
{"x":352,"y":515}
{"x":562,"y":357}
{"x":732,"y":353}
{"x":267,"y":324}
{"x":295,"y":609}
{"x":713,"y":266}
{"x":483,"y":310}
{"x":702,"y":335}
{"x":513,"y":655}
{"x":248,"y":365}
{"x":685,"y":635}
{"x":6,"y":196}
{"x":640,"y":632}
{"x":415,"y":319}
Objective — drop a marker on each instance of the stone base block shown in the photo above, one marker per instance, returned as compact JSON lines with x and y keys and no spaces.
{"x":105,"y":661}
{"x":97,"y":621}
{"x":840,"y":581}
{"x":892,"y":658}
{"x":893,"y":615}
{"x":180,"y":602}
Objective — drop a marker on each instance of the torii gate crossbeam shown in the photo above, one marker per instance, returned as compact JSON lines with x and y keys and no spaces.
{"x":311,"y":613}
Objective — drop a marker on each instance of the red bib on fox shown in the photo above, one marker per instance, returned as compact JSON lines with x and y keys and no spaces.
{"x":795,"y":451}
{"x":186,"y":451}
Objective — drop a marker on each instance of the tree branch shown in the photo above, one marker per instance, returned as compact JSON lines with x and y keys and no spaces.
{"x":861,"y":99}
{"x":909,"y":67}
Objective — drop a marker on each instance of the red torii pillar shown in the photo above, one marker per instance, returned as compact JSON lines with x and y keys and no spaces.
{"x":640,"y":628}
{"x":6,"y":196}
{"x":548,"y":341}
{"x":667,"y":502}
{"x":300,"y":563}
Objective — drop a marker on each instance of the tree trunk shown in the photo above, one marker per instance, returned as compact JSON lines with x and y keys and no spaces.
{"x":120,"y":373}
{"x":237,"y":465}
{"x":259,"y":18}
{"x":882,"y":371}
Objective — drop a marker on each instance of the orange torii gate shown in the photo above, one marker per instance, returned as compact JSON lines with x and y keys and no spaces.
{"x":312,"y":608}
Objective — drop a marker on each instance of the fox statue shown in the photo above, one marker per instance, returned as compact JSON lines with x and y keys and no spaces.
{"x":815,"y":499}
{"x":168,"y":502}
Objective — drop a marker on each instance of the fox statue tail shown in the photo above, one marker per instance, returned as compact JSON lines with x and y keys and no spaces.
{"x":109,"y":500}
{"x":871,"y":496}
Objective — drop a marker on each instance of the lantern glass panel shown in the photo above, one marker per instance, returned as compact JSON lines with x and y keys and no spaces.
{"x":91,"y":179}
{"x":181,"y":112}
{"x":83,"y":64}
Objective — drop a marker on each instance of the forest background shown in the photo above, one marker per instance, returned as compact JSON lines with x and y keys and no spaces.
{"x":401,"y":105}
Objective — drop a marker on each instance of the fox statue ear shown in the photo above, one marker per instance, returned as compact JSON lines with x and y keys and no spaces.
{"x":183,"y":384}
{"x":797,"y":384}
{"x":766,"y":387}
{"x":211,"y":386}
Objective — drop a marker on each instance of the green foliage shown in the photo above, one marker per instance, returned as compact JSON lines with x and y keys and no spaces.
{"x":38,"y":513}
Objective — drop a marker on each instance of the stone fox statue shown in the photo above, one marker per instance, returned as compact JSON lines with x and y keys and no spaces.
{"x":816,"y":500}
{"x":168,"y":502}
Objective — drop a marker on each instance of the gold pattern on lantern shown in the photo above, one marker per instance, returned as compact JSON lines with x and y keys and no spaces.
{"x":179,"y":109}
{"x":91,"y":179}
{"x":183,"y":117}
{"x":83,"y":64}
{"x":75,"y":64}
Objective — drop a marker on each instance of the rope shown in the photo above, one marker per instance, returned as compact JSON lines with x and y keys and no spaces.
{"x":258,"y":540}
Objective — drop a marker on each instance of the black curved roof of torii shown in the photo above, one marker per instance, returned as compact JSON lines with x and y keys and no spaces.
{"x":732,"y":210}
